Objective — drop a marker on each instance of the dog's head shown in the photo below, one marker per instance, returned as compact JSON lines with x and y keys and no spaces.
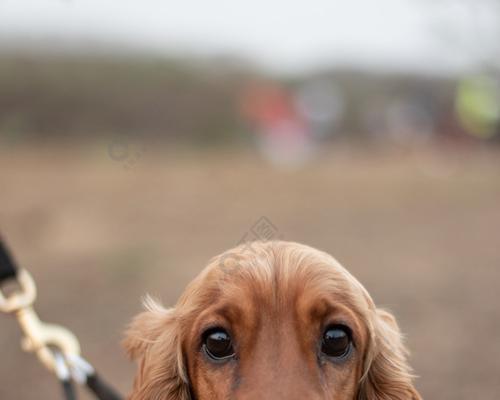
{"x":273,"y":321}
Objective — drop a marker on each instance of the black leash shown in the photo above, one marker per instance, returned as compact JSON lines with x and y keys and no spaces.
{"x":68,"y":390}
{"x":8,"y":269}
{"x":42,"y":338}
{"x":101,"y":389}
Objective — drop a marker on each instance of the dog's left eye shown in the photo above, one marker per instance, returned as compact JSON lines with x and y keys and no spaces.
{"x":218,"y":344}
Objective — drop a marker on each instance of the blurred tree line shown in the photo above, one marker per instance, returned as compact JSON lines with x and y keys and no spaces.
{"x":198,"y":101}
{"x":85,"y":96}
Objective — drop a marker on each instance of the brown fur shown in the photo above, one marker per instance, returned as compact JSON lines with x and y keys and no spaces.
{"x":274,"y":298}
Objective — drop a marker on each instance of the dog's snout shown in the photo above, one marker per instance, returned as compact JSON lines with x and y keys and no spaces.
{"x":278,"y":370}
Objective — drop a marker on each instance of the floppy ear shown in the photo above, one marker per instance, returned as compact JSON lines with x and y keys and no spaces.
{"x":387,"y":374}
{"x":153,"y":339}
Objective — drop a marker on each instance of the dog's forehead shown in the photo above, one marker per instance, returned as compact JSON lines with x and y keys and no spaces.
{"x":280,"y":270}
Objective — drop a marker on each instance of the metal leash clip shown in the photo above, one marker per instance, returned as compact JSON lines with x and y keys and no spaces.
{"x":55,"y":346}
{"x":45,"y":340}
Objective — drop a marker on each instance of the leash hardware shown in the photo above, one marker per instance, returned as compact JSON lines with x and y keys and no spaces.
{"x":39,"y":337}
{"x":20,"y":299}
{"x":55,"y":346}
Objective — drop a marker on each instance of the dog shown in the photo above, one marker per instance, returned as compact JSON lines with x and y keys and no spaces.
{"x":270,"y":321}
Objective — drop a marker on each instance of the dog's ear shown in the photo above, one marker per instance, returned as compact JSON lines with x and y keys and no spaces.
{"x":387,"y":373}
{"x":153,"y":339}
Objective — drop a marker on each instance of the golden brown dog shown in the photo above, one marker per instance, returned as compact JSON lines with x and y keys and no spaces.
{"x":270,"y":321}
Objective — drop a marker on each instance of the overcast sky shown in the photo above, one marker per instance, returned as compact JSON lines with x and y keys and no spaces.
{"x":282,"y":34}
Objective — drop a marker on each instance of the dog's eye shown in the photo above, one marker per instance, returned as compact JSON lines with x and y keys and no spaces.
{"x":336,"y":341}
{"x":217,"y":343}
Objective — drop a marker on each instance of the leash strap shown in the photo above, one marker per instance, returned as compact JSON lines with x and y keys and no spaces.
{"x":68,"y":390}
{"x":8,"y":269}
{"x":85,"y":374}
{"x":101,"y":389}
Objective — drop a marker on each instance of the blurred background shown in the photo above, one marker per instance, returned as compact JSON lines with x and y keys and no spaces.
{"x":139,"y":139}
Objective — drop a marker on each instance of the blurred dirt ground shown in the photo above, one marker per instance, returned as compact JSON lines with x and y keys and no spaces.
{"x":420,"y":229}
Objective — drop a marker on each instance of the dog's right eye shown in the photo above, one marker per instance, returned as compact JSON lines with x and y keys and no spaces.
{"x":217,"y":344}
{"x":336,"y":341}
